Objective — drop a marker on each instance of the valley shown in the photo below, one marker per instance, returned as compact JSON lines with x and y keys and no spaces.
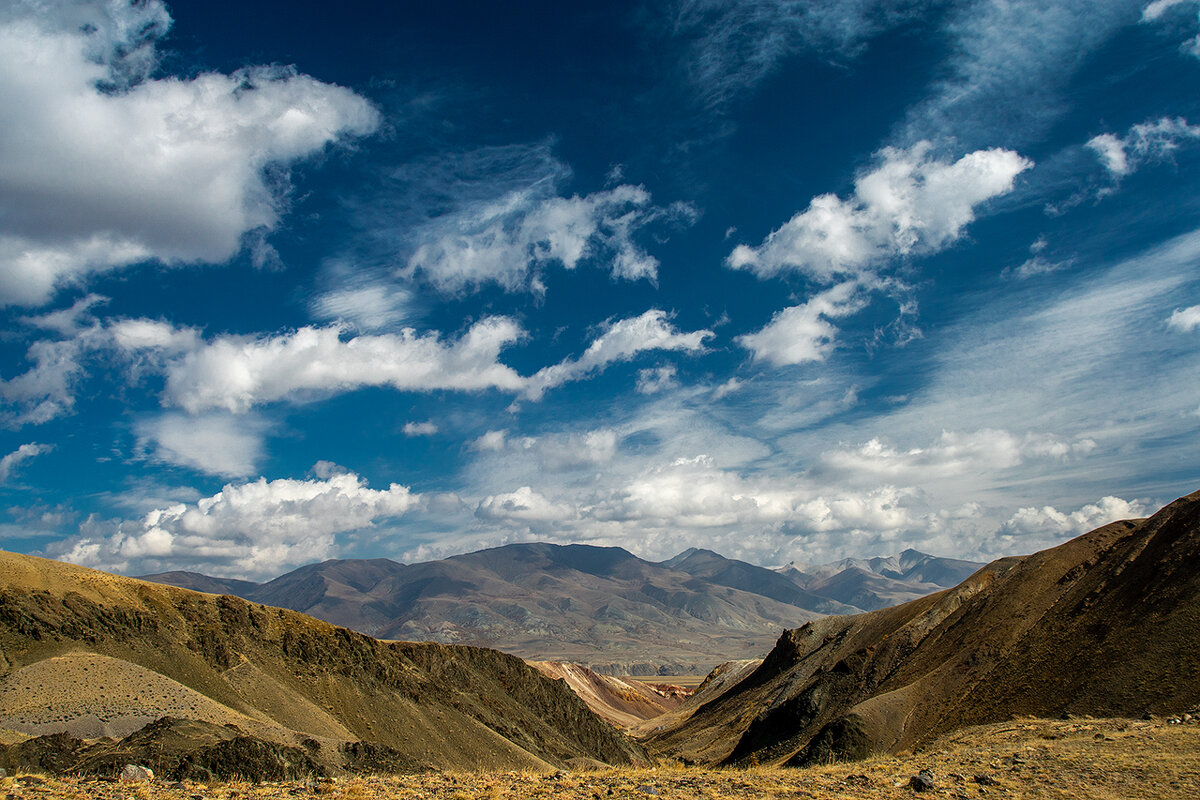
{"x":1068,"y":672}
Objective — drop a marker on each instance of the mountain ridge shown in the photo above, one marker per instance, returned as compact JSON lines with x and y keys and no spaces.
{"x":1103,"y":625}
{"x":602,"y":607}
{"x":278,"y":675}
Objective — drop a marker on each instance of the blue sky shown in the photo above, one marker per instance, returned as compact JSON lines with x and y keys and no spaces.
{"x":793,"y":281}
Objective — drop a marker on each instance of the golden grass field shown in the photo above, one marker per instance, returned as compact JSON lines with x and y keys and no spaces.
{"x":1097,"y":759}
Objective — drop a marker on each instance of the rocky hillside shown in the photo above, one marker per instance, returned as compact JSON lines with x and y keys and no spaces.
{"x":598,"y":606}
{"x":1106,"y":624}
{"x":88,"y":653}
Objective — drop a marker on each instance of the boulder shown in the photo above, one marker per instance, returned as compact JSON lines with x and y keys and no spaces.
{"x":137,"y":773}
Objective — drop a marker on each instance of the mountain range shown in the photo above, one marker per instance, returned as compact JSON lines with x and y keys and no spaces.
{"x":202,"y":686}
{"x":601,"y":607}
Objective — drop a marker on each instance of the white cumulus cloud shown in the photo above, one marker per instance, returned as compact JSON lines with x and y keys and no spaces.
{"x":93,"y":152}
{"x":803,"y":333}
{"x":250,"y":530}
{"x":1049,"y":521}
{"x":236,"y":373}
{"x":910,"y":203}
{"x":1155,"y":10}
{"x":1159,"y":8}
{"x":420,"y":428}
{"x":1185,"y":319}
{"x":522,"y":505}
{"x":47,"y":389}
{"x":695,"y":493}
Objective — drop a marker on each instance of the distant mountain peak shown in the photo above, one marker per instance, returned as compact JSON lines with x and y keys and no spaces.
{"x":583,"y":602}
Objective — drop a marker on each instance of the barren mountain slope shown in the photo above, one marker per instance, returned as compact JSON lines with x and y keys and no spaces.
{"x":278,"y":673}
{"x":622,"y":703}
{"x":1104,"y":624}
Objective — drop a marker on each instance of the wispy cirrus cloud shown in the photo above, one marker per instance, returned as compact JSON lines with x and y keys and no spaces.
{"x":502,"y":216}
{"x":731,"y":46}
{"x":222,"y":444}
{"x":10,"y":463}
{"x":1145,"y":142}
{"x":508,"y":241}
{"x":1008,"y":68}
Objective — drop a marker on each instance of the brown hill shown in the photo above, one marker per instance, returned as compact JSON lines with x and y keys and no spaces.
{"x":1106,"y":624}
{"x":622,"y":703}
{"x":92,"y":653}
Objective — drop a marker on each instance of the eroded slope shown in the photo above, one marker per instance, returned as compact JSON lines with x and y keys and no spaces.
{"x":436,"y":705}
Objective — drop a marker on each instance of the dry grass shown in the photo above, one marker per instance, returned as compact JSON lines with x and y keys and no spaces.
{"x":1095,"y":759}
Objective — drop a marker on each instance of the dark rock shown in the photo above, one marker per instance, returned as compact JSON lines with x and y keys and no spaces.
{"x":55,"y":753}
{"x":844,"y":739}
{"x":922,"y":782}
{"x":247,"y":758}
{"x":986,"y":780}
{"x":365,"y":757}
